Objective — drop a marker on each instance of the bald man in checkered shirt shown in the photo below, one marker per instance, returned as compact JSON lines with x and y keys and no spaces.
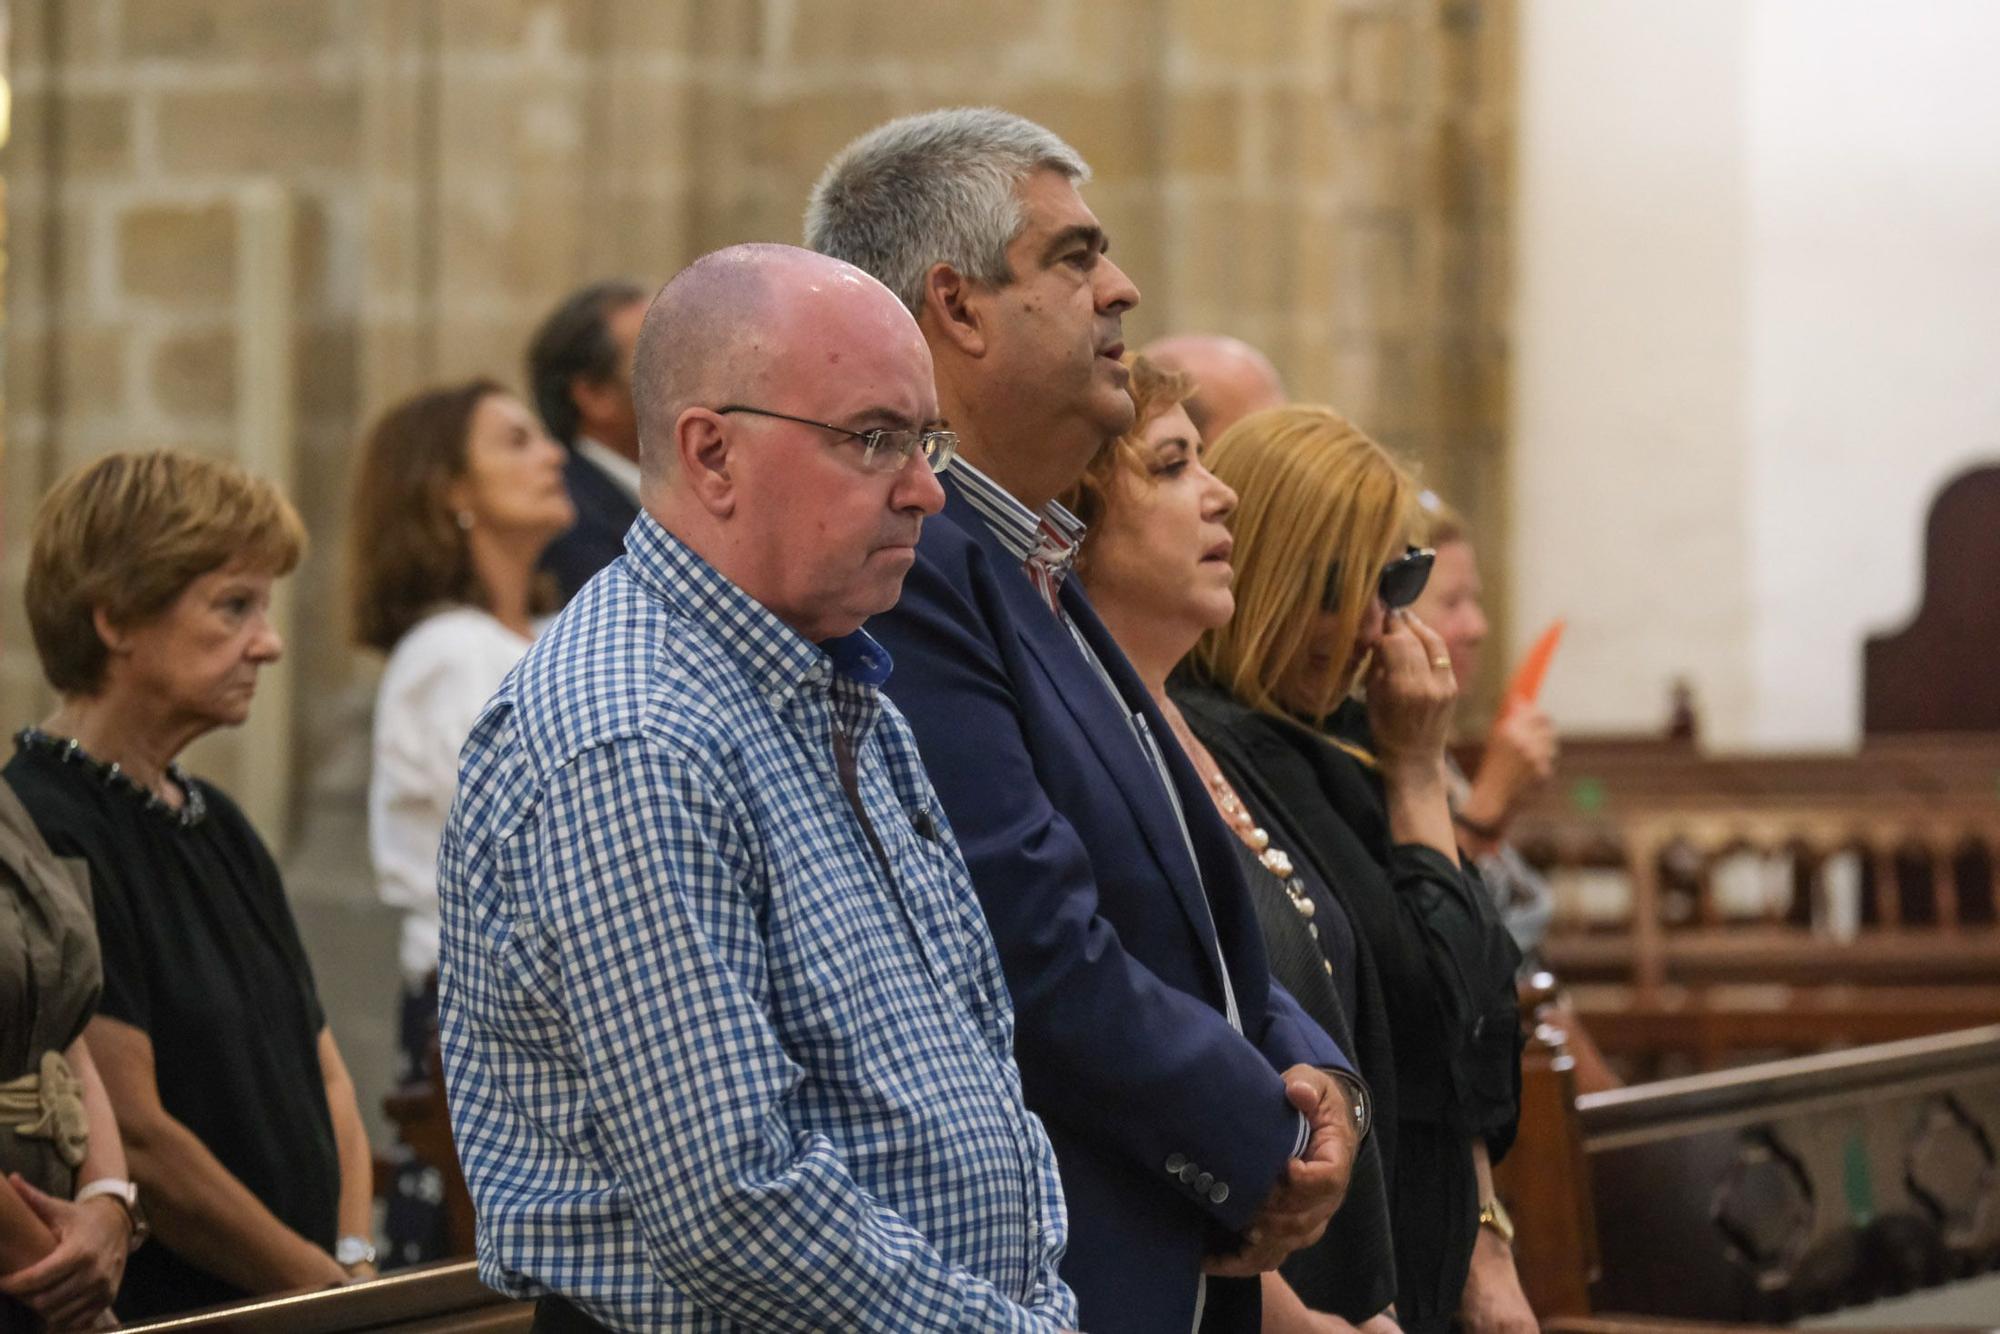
{"x":726,"y":1037}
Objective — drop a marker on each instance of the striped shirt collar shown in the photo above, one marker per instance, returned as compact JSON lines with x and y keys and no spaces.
{"x":1045,"y":543}
{"x":776,"y":658}
{"x":1018,"y":527}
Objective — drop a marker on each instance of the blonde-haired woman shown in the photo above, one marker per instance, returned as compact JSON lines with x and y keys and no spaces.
{"x":1324,"y":575}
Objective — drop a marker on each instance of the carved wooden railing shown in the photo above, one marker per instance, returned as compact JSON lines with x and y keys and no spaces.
{"x":1871,"y":906}
{"x":1925,"y":866}
{"x":1625,"y":767}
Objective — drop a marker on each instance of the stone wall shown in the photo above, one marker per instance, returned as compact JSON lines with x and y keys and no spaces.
{"x":1324,"y":177}
{"x":1327,"y":178}
{"x":138,"y":128}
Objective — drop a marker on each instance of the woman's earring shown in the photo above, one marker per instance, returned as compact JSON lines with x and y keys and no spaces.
{"x":465,"y":520}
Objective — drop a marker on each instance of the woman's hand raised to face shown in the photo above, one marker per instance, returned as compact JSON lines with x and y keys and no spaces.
{"x":1411,"y":692}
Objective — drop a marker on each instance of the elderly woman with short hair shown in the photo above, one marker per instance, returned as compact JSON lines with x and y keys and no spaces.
{"x":149,"y":590}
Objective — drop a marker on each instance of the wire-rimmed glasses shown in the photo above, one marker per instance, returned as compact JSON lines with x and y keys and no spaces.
{"x":882,"y":449}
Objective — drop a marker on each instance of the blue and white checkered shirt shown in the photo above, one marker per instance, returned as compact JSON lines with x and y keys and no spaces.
{"x":710,"y":1069}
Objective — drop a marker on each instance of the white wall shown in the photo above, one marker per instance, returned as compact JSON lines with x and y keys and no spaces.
{"x":1758,"y":287}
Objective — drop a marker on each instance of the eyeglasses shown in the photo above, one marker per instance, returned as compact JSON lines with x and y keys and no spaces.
{"x":1402,"y":580}
{"x":882,"y":450}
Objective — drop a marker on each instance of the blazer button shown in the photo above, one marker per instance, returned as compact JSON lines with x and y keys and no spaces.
{"x":1203,"y":1182}
{"x":1219,"y":1192}
{"x":1175,"y":1162}
{"x":1188,"y":1173}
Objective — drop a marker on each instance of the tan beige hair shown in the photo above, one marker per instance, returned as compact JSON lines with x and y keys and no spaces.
{"x":1314,"y":495}
{"x":127,"y":534}
{"x":1154,"y":389}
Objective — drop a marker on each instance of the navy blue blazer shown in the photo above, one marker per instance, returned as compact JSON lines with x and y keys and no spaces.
{"x":1169,"y":1127}
{"x":603,"y":513}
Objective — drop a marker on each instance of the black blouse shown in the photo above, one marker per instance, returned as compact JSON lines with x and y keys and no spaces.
{"x":201,"y":954}
{"x":1351,"y":1271}
{"x":1449,"y":1061}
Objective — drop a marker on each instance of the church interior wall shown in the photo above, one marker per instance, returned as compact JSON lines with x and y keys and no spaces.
{"x":1756,"y":295}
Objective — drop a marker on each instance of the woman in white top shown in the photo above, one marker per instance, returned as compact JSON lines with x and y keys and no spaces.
{"x":457,"y":494}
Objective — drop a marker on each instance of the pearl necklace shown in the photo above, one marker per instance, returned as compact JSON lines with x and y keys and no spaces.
{"x":1275,"y":860}
{"x":1245,"y":826}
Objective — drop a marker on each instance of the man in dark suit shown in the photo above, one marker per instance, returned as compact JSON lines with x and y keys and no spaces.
{"x":580,"y":370}
{"x":1204,"y":1126}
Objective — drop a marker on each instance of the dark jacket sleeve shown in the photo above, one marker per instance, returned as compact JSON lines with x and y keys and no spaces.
{"x":1290,"y":1036}
{"x":597,"y":538}
{"x":1108,"y":1050}
{"x":1473,"y":962}
{"x":1469,"y":958}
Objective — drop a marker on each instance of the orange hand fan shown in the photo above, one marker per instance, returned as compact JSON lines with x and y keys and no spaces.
{"x":1526,"y":686}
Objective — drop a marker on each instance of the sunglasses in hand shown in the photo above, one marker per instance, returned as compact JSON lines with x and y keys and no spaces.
{"x":1401,"y":582}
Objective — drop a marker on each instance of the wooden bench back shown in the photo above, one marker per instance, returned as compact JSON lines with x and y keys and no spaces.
{"x":1771,"y":1192}
{"x":1718,"y":905}
{"x":1926,"y":867}
{"x":1678,"y":969}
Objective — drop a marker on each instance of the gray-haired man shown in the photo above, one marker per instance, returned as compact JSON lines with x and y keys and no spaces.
{"x":1190,"y":1102}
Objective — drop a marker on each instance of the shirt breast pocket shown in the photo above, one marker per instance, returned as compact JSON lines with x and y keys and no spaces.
{"x":955,"y":926}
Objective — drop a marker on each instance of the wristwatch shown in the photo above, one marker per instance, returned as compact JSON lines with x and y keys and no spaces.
{"x":352,"y":1252}
{"x":1360,"y":1104}
{"x":1494,"y":1214}
{"x":127,"y":1196}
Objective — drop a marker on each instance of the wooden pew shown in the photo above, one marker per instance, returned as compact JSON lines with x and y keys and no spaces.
{"x":443,"y":1298}
{"x":1679,"y":969}
{"x":1626,"y":767}
{"x":1921,"y":910}
{"x":1769,"y":1193}
{"x":1545,"y":1178}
